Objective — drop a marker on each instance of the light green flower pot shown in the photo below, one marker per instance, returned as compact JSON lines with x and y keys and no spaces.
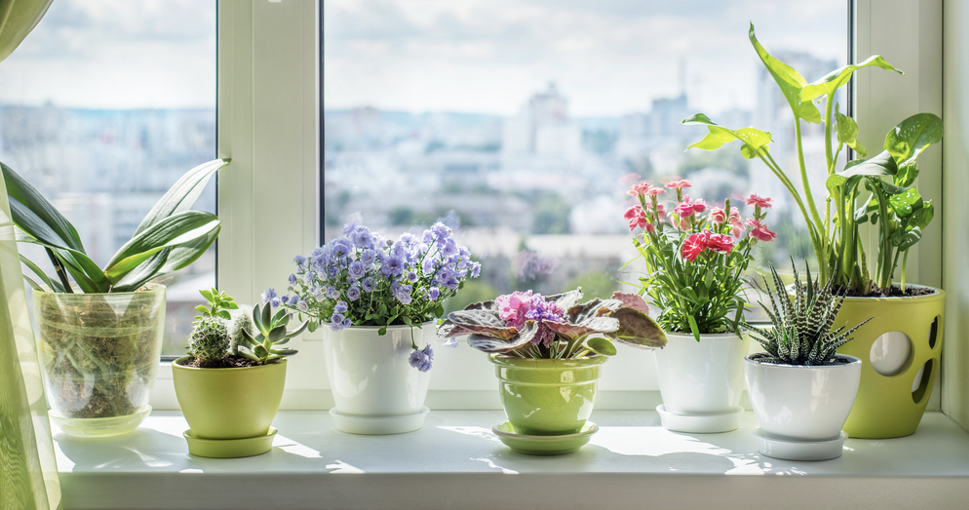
{"x":544,"y":397}
{"x":898,"y":373}
{"x":229,"y":403}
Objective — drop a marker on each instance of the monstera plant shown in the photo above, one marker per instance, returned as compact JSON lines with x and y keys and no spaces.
{"x":528,"y":325}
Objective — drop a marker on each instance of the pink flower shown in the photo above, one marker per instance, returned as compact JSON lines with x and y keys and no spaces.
{"x":679,"y":221}
{"x":718,"y":216}
{"x":635,"y":211}
{"x":637,"y":218}
{"x":649,"y":227}
{"x":736,"y":222}
{"x":757,"y":201}
{"x":759,"y":231}
{"x":652,"y":192}
{"x":687,"y":207}
{"x":644,"y":188}
{"x":720,"y":243}
{"x":693,"y":246}
{"x":513,"y":307}
{"x":680,"y":184}
{"x":660,"y":210}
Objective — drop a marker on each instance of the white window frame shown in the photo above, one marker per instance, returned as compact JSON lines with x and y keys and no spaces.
{"x":269,"y":201}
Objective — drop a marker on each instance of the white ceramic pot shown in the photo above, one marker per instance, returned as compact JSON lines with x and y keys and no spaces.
{"x":375,"y":389}
{"x":701,"y":382}
{"x":801,"y":405}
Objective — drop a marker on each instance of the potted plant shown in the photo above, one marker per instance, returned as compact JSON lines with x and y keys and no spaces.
{"x":696,"y":257}
{"x":100,"y":330}
{"x":230,"y":385}
{"x":547,"y":352}
{"x":800,"y":389}
{"x":879,"y":191}
{"x":378,"y":297}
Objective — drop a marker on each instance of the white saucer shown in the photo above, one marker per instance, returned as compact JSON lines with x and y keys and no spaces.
{"x":697,"y":423}
{"x":792,"y":449}
{"x":356,"y":424}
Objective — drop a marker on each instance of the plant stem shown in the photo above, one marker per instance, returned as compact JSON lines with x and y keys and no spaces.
{"x":61,"y":274}
{"x":904,"y":264}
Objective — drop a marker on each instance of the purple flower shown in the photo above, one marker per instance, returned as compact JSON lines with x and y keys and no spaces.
{"x":274,"y":302}
{"x":349,"y":228}
{"x":368,"y":256}
{"x":531,"y":265}
{"x":407,"y":237}
{"x":353,"y":293}
{"x":393,"y":266}
{"x":341,"y":248}
{"x":300,"y":260}
{"x":284,"y":299}
{"x":336,"y":318}
{"x":433,"y":293}
{"x":340,"y":307}
{"x":411,"y":276}
{"x":332,"y":292}
{"x":475,"y":269}
{"x":357,"y":269}
{"x":367,"y":284}
{"x":303,"y":306}
{"x":292,"y":279}
{"x":362,"y":238}
{"x":427,"y":237}
{"x":421,"y":359}
{"x":268,"y":295}
{"x":332,"y":271}
{"x":440,"y":229}
{"x":450,"y":248}
{"x":402,"y":293}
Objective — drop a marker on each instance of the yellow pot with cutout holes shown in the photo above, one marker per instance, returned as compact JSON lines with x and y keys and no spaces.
{"x":900,"y":349}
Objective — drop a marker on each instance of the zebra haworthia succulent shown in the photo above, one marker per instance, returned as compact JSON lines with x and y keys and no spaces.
{"x":802,"y":331}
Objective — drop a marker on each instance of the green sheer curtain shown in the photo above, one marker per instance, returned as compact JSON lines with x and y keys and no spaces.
{"x":28,"y":471}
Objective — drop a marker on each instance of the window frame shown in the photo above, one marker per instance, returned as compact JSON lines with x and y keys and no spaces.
{"x":269,"y":123}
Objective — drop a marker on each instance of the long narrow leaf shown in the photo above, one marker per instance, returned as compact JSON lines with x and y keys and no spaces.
{"x":178,"y":229}
{"x":182,"y":195}
{"x":185,"y":254}
{"x":143,"y":273}
{"x":42,"y":211}
{"x":50,"y":282}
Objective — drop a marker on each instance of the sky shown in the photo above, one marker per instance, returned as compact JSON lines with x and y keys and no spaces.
{"x":608,"y":57}
{"x":116,"y":54}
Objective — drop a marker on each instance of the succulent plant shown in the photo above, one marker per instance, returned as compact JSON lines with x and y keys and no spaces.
{"x":241,"y":320}
{"x":270,"y":332}
{"x":210,"y":338}
{"x":555,"y":327}
{"x":219,"y":304}
{"x":802,"y":331}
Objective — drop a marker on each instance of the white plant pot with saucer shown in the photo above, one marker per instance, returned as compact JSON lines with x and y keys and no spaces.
{"x":375,"y":388}
{"x":802,"y":408}
{"x":701,"y":382}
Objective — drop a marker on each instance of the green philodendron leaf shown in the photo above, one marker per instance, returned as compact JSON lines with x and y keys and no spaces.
{"x":879,"y":165}
{"x":182,"y":195}
{"x":908,"y":139}
{"x":846,"y":130}
{"x":789,"y":80}
{"x":834,"y":80}
{"x":906,"y":202}
{"x":755,"y":142}
{"x":172,"y":231}
{"x":924,"y":215}
{"x":911,"y":238}
{"x":601,"y":346}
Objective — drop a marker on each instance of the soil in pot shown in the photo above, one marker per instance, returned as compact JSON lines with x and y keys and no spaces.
{"x":232,"y":361}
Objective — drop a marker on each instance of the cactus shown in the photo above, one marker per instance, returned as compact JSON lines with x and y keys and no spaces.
{"x":802,"y":331}
{"x":241,"y":320}
{"x":210,"y":338}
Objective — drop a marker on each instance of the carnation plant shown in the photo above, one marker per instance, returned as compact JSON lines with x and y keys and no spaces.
{"x":879,"y":190}
{"x":529,"y":325}
{"x":363,"y":279}
{"x":802,"y":332}
{"x":696,"y":256}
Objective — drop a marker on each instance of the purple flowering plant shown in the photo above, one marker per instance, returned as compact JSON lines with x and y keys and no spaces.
{"x":363,"y":279}
{"x":529,"y":325}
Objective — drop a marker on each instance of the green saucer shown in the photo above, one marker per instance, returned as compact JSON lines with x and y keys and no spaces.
{"x":230,"y":448}
{"x":544,"y":445}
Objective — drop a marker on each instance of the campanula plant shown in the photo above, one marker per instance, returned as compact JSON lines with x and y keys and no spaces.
{"x":363,"y":279}
{"x":696,"y":256}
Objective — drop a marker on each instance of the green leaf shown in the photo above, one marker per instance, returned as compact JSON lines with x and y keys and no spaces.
{"x":41,"y":211}
{"x":637,"y":329}
{"x":439,"y":311}
{"x":185,"y":254}
{"x":182,"y":195}
{"x":847,"y":131}
{"x":206,"y":294}
{"x":911,"y":238}
{"x":265,"y":323}
{"x":145,"y":271}
{"x":755,"y":141}
{"x":908,"y":139}
{"x":790,"y":82}
{"x":225,"y":315}
{"x":181,"y":228}
{"x":204,"y":309}
{"x":382,"y":331}
{"x":51,"y":283}
{"x":313,"y":325}
{"x":277,"y":334}
{"x":924,"y":215}
{"x":906,"y":202}
{"x":35,"y":231}
{"x":879,"y":165}
{"x":834,"y":80}
{"x":601,"y":346}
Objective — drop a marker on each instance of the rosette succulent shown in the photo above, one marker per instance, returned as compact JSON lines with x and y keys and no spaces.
{"x":270,"y":333}
{"x":528,"y":325}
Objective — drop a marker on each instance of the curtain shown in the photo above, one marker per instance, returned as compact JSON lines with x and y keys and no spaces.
{"x":28,"y":471}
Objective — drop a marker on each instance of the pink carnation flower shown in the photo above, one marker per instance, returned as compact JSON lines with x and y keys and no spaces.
{"x":693,"y":246}
{"x":720,"y":243}
{"x":718,"y":216}
{"x":757,"y":201}
{"x":680,"y":184}
{"x":759,"y":231}
{"x":687,"y":207}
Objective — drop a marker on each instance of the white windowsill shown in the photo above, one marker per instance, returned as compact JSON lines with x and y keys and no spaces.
{"x":455,"y":462}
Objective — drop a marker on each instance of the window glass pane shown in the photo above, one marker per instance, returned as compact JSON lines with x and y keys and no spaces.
{"x":103,"y":107}
{"x":525,"y":119}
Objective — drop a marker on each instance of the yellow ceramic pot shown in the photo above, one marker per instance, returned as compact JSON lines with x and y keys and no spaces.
{"x":900,"y":350}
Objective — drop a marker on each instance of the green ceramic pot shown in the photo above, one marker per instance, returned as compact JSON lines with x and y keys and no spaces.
{"x":229,"y":403}
{"x":898,"y":372}
{"x":544,"y":397}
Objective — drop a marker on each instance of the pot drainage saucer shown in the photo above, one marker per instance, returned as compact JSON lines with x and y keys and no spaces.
{"x":792,"y":449}
{"x":360,"y":424}
{"x":544,"y":445}
{"x":100,"y":427}
{"x":700,"y":423}
{"x":230,"y":448}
